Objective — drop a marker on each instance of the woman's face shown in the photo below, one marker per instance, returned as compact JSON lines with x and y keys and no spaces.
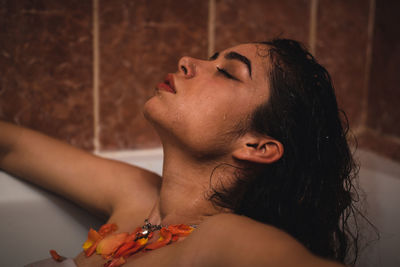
{"x":203,"y":104}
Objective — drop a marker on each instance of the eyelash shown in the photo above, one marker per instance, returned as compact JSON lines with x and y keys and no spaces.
{"x":226,"y":74}
{"x":222,"y":70}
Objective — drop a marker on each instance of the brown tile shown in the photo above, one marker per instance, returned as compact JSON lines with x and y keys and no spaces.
{"x":384,"y":91}
{"x":46,"y":69}
{"x":242,"y":21}
{"x":140,"y":42}
{"x":381,"y":144}
{"x":341,"y":47}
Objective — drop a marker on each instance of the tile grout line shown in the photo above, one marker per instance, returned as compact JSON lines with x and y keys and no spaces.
{"x":368,"y":63}
{"x":211,"y":27}
{"x":96,"y":76}
{"x":313,"y":26}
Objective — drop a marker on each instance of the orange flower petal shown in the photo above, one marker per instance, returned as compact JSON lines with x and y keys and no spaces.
{"x":130,"y":238}
{"x":93,"y":236}
{"x":125,"y":247}
{"x":107,"y":229}
{"x":143,"y":241}
{"x":180,"y":229}
{"x":87,"y":245}
{"x":164,"y":239}
{"x":89,"y":252}
{"x":55,"y":256}
{"x":111,"y":243}
{"x":133,"y":250}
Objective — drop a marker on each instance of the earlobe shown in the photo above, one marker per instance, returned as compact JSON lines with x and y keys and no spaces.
{"x":265,"y":151}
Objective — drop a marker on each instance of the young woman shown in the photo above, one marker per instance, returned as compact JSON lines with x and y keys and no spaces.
{"x":255,"y":155}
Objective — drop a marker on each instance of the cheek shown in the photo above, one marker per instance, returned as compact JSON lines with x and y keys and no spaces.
{"x":204,"y":120}
{"x":218,"y":116}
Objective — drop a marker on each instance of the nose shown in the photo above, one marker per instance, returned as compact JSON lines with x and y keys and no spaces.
{"x":187,"y":66}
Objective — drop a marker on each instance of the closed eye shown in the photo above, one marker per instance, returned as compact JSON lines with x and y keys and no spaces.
{"x":227,"y":74}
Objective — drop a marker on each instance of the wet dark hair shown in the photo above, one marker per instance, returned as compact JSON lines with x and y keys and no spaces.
{"x":309,"y":192}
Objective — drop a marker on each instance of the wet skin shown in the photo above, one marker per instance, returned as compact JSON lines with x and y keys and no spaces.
{"x":213,"y":98}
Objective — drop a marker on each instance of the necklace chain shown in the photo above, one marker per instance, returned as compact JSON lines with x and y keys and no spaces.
{"x":148,"y":227}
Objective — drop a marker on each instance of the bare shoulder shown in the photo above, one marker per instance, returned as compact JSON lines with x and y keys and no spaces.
{"x":233,"y":240}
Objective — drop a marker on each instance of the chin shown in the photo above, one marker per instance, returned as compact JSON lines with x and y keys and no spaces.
{"x":149,"y":112}
{"x":155,"y":114}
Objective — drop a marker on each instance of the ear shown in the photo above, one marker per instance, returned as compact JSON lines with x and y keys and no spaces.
{"x":258,"y":149}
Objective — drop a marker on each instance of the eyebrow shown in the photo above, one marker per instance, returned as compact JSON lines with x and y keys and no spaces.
{"x":241,"y":58}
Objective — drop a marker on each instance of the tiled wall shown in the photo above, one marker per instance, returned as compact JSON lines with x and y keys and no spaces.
{"x":46,"y":67}
{"x":140,"y":42}
{"x":81,"y":70}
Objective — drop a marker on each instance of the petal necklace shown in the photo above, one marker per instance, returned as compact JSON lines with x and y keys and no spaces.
{"x":115,"y":247}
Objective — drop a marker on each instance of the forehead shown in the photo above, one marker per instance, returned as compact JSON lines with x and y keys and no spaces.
{"x":253,"y":50}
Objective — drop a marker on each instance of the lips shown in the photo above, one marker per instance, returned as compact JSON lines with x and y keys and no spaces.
{"x":168,"y":84}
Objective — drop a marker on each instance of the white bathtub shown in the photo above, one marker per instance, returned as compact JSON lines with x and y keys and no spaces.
{"x":33,"y":221}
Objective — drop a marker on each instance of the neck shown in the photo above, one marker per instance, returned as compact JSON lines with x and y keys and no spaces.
{"x":185,"y":189}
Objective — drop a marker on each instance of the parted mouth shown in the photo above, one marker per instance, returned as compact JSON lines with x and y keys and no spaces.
{"x":168,"y":84}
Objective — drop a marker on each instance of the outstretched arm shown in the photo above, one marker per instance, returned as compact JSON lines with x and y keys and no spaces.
{"x":93,"y":182}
